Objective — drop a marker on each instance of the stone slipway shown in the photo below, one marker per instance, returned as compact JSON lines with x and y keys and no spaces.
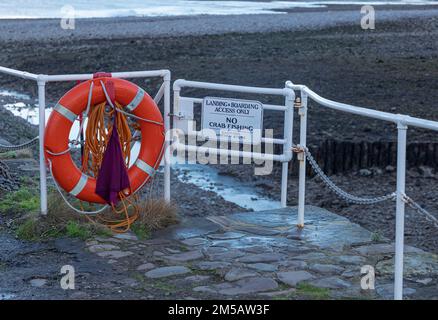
{"x":244,"y":255}
{"x":322,"y":228}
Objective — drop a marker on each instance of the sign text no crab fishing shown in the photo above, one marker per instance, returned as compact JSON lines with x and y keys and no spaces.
{"x":232,"y":117}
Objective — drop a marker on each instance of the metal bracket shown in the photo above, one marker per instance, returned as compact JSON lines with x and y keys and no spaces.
{"x":179,"y":115}
{"x":302,"y":108}
{"x":299,"y":150}
{"x":297,"y":103}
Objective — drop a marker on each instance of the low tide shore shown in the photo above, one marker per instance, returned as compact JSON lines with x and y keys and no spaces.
{"x":393,"y":68}
{"x":44,"y":30}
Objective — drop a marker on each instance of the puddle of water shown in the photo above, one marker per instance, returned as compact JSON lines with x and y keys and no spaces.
{"x":28,"y":113}
{"x":29,"y":110}
{"x":7,"y":296}
{"x":14,"y":94}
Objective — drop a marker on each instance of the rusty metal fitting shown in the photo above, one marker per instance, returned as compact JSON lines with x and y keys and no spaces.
{"x":297,"y":149}
{"x":297,"y":103}
{"x":300,"y":151}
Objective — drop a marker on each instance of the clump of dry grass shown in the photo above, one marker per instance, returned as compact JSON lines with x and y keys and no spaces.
{"x":156,"y":214}
{"x":18,"y":154}
{"x":59,"y":212}
{"x":61,"y":220}
{"x":153,"y":214}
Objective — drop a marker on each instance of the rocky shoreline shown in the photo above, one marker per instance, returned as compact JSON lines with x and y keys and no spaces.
{"x":393,"y":68}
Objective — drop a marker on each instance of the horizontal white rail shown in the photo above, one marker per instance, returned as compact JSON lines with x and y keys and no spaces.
{"x":226,"y":138}
{"x":265,"y":106}
{"x":370,"y":113}
{"x":81,"y":77}
{"x":274,"y":107}
{"x":88,"y":76}
{"x":180,"y":83}
{"x":233,"y":153}
{"x":17,"y":73}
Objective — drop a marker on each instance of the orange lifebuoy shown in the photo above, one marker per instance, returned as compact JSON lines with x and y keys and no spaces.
{"x":136,"y":101}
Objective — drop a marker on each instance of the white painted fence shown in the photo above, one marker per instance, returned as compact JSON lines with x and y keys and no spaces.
{"x":183,"y":111}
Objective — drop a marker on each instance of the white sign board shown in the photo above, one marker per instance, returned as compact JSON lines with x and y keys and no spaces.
{"x":233,"y":117}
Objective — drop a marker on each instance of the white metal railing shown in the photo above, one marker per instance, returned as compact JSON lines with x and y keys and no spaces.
{"x":402,"y":122}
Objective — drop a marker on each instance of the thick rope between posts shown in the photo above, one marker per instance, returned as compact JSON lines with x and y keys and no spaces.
{"x":22,"y":146}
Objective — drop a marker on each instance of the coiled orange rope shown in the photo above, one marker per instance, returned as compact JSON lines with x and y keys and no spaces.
{"x":97,"y":136}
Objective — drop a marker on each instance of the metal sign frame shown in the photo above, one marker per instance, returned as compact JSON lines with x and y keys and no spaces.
{"x":183,"y":112}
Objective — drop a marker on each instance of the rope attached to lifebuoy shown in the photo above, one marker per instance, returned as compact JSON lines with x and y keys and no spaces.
{"x":98,"y":132}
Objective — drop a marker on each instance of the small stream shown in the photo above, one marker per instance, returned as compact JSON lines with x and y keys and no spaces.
{"x":232,"y":190}
{"x":202,"y":176}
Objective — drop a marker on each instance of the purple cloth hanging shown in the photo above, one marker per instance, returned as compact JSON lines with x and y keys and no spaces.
{"x":113,"y":174}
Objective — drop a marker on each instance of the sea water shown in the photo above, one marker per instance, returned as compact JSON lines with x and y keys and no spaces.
{"x":19,"y":9}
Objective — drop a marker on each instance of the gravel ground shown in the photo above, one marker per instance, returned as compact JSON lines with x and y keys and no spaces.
{"x":393,"y":68}
{"x":14,"y":129}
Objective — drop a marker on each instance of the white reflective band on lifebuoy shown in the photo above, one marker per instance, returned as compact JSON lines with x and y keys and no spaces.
{"x":136,"y":101}
{"x":145,"y":167}
{"x":80,"y":185}
{"x":65,"y":112}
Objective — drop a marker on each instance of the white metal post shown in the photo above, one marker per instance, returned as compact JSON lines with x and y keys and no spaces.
{"x":400,"y":211}
{"x":284,"y":173}
{"x":302,"y":111}
{"x":167,"y":116}
{"x":287,"y":148}
{"x":42,"y":125}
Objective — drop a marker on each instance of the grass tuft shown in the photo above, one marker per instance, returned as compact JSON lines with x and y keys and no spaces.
{"x":76,"y":230}
{"x":28,"y":229}
{"x":141,"y":231}
{"x":19,"y":154}
{"x":312,"y":292}
{"x":22,"y":200}
{"x":376,"y":236}
{"x":59,"y":221}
